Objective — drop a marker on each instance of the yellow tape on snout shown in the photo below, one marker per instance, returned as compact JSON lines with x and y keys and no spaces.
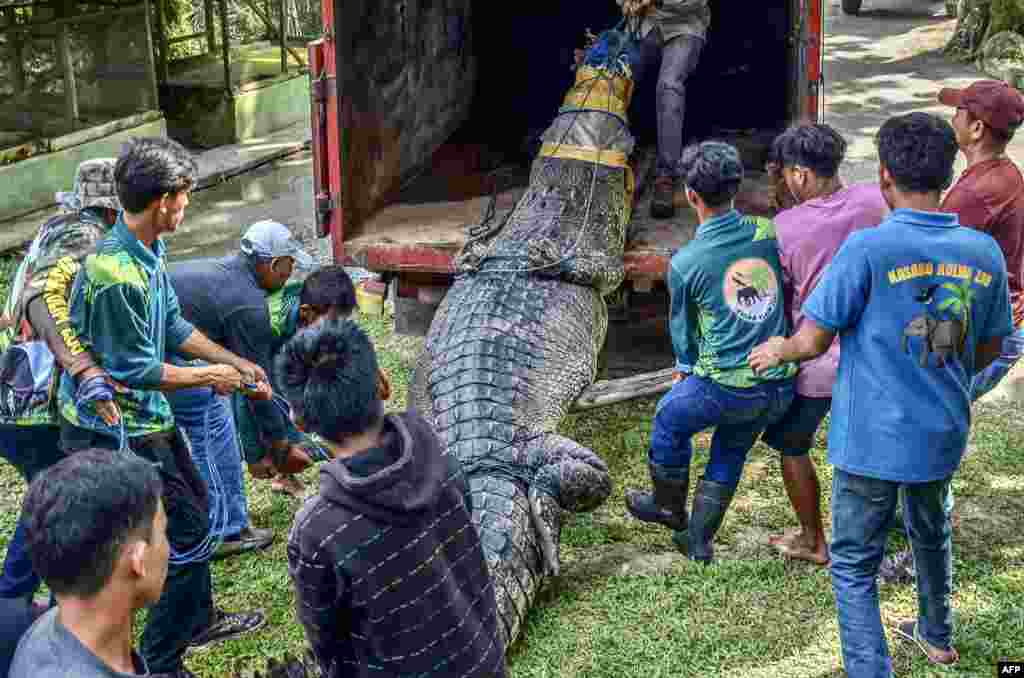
{"x":608,"y":158}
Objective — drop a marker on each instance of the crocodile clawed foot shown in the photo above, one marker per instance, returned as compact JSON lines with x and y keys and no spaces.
{"x":577,"y":477}
{"x":547,"y":521}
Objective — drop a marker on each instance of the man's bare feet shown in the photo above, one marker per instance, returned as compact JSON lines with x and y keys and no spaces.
{"x":787,"y":536}
{"x":795,"y":544}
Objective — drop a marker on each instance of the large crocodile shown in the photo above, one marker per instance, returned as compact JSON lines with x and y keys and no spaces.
{"x":516,"y":339}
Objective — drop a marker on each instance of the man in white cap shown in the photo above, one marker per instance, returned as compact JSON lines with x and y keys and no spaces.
{"x":37,"y":342}
{"x":226,"y":299}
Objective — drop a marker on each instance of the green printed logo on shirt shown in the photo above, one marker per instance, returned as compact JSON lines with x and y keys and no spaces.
{"x":751,"y":289}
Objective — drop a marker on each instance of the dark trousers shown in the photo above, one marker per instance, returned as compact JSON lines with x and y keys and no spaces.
{"x":31,"y":450}
{"x":678,"y":60}
{"x":186,"y":606}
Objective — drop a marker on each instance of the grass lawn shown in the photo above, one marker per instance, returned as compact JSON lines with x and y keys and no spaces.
{"x":628,"y":605}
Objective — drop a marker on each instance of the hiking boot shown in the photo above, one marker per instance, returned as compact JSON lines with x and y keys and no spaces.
{"x":898,"y":568}
{"x":226,"y":626}
{"x":246,"y":540}
{"x":667,"y":504}
{"x":663,"y":202}
{"x":710,"y":502}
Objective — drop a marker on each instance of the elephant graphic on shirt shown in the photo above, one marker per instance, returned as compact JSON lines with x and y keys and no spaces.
{"x":941,"y":337}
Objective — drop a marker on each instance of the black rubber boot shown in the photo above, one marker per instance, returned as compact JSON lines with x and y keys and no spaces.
{"x":663,"y":202}
{"x":667,"y":504}
{"x":710,"y":502}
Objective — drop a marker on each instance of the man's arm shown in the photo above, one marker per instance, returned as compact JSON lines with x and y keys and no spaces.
{"x":183,"y":338}
{"x":835,"y":305}
{"x":47,"y":310}
{"x":318,"y":591}
{"x":999,"y":323}
{"x":810,"y":342}
{"x":120,"y":334}
{"x":683,"y":323}
{"x":198,"y":345}
{"x":254,"y":339}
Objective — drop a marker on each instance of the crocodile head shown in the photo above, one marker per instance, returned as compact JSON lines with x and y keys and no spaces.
{"x":571,"y":221}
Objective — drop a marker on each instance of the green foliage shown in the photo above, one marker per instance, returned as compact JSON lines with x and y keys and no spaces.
{"x":1006,"y":15}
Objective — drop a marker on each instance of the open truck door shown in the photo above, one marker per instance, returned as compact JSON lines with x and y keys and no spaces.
{"x":391,"y":81}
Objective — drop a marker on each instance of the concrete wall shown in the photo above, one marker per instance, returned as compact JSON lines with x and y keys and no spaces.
{"x":205,"y":117}
{"x":30,"y":184}
{"x":261,"y":111}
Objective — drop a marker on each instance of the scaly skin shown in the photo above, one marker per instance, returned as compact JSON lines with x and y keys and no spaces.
{"x":512,"y":345}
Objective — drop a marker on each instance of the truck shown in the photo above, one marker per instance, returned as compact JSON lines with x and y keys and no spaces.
{"x":426,"y":115}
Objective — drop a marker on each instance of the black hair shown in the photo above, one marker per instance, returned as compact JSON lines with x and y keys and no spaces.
{"x":81,"y":511}
{"x":816,"y":147}
{"x":150,"y":167}
{"x":329,"y":287}
{"x":713,"y":170}
{"x":919,"y":150}
{"x":328,"y":372}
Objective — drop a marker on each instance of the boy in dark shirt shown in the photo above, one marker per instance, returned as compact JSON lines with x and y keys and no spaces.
{"x":389,"y":575}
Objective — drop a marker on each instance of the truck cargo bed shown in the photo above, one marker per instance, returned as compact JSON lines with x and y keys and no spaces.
{"x":415,"y":233}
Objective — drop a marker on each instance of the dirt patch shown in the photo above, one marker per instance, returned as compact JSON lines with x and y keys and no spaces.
{"x":622,"y":560}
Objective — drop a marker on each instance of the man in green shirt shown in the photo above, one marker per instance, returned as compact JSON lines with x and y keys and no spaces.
{"x":726,"y":292}
{"x":124,"y":309}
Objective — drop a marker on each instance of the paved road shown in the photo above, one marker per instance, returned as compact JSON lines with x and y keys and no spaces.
{"x":885,"y":62}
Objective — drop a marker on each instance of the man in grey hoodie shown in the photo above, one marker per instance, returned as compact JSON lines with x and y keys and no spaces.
{"x":675,"y":32}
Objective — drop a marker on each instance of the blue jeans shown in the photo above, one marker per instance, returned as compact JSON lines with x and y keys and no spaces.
{"x":194,"y":409}
{"x":739,"y":415}
{"x":31,"y":450}
{"x":989,"y":378}
{"x":861,"y":511}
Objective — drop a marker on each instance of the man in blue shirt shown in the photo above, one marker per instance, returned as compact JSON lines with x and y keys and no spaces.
{"x":920,"y":304}
{"x":726,"y":288}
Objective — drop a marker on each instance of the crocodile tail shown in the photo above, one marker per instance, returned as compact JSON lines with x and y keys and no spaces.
{"x":502,"y":516}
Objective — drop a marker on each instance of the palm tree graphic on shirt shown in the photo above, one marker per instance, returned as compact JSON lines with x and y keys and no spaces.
{"x":959,"y":304}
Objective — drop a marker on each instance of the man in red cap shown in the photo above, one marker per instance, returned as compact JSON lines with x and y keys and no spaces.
{"x":988,"y":197}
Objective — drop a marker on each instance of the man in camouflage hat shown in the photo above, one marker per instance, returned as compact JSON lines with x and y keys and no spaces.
{"x":37,"y":342}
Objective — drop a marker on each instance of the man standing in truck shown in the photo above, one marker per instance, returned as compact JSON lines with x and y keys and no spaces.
{"x":674,"y":31}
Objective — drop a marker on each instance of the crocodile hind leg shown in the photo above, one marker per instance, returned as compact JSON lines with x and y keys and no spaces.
{"x":569,"y":477}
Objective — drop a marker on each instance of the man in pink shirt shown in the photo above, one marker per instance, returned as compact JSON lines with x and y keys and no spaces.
{"x":809,"y":235}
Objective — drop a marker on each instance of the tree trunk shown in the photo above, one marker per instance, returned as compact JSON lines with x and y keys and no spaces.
{"x":973,"y":18}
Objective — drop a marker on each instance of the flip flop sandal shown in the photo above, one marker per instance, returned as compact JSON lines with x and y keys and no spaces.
{"x":908,"y":631}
